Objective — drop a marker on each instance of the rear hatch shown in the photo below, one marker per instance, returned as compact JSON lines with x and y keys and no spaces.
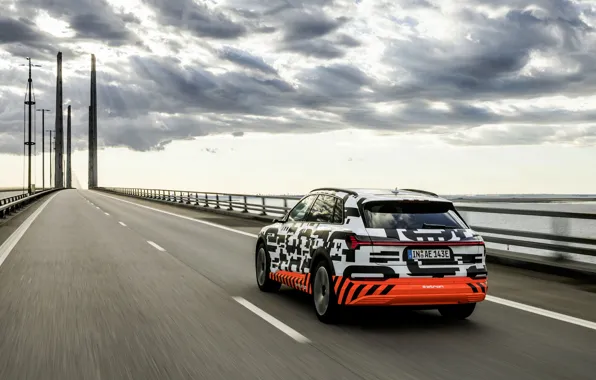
{"x":429,"y":237}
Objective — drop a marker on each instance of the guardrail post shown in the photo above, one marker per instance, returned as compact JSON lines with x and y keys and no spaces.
{"x":197,"y":199}
{"x":285,"y":205}
{"x":560,"y":226}
{"x":264,"y":208}
{"x":206,"y":200}
{"x":216,"y":200}
{"x":187,"y":198}
{"x":230,"y":208}
{"x":245,"y":205}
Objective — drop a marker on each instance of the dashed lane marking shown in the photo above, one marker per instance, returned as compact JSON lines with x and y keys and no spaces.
{"x":155,"y":246}
{"x":273,"y":321}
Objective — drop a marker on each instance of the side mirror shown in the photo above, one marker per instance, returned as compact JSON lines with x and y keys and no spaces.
{"x":275,"y":220}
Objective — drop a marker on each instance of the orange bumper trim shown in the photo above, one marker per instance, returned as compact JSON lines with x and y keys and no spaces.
{"x":409,"y":291}
{"x":395,"y":291}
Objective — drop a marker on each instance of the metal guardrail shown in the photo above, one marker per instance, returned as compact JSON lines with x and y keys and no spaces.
{"x":244,"y":203}
{"x":11,"y":204}
{"x":227,"y":201}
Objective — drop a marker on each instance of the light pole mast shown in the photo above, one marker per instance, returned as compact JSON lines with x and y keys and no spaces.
{"x":49,"y":130}
{"x":43,"y":134}
{"x":29,"y":143}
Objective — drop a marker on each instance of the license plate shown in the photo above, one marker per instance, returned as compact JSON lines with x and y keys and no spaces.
{"x":428,"y":254}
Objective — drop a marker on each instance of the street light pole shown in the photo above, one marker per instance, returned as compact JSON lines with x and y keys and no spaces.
{"x":49,"y":130}
{"x":29,"y":102}
{"x":43,"y":165}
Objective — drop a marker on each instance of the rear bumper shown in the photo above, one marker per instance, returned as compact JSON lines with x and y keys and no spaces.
{"x":409,"y":291}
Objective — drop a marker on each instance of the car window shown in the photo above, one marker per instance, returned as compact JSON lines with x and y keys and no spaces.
{"x":299,"y":211}
{"x":322,"y":210}
{"x":411,"y":215}
{"x":338,"y":211}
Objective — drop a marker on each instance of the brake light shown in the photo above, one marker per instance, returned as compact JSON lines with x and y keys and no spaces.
{"x":354,"y":242}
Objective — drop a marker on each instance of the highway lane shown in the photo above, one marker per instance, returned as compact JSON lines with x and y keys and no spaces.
{"x":559,"y":294}
{"x":498,"y":342}
{"x":84,"y":297}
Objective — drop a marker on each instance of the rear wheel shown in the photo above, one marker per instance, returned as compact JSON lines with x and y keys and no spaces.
{"x":262,"y":269}
{"x":457,"y":312}
{"x":324,"y":298}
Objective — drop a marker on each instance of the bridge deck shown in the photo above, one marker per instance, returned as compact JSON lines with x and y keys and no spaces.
{"x":84,"y":296}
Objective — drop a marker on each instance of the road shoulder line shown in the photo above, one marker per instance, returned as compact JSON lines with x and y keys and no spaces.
{"x":16,"y":236}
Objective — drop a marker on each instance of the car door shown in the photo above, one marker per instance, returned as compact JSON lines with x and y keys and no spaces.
{"x":312,"y":232}
{"x":286,"y":234}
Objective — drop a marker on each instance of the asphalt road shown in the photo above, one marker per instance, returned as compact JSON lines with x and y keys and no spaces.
{"x":99,"y":288}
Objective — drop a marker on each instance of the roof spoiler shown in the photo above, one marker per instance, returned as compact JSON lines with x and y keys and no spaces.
{"x":420,"y":191}
{"x":352,"y":192}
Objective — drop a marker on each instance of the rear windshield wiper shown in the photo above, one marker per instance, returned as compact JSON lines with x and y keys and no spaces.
{"x":440,"y":226}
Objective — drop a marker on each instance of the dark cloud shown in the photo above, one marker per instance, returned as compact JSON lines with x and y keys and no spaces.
{"x":197,"y":18}
{"x":21,"y":38}
{"x":489,"y":64}
{"x":303,"y":26}
{"x":96,"y":27}
{"x":93,"y":19}
{"x":245,"y":59}
{"x":315,"y":48}
{"x":349,"y":41}
{"x":22,"y":30}
{"x":237,"y":134}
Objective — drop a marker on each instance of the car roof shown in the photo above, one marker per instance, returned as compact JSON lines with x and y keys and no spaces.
{"x":378,"y":194}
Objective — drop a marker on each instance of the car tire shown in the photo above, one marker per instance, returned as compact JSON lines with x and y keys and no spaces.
{"x":323,"y":295}
{"x":263,"y":269}
{"x":457,"y":312}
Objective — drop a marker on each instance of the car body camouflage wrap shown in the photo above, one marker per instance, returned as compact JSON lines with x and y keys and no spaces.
{"x":357,"y":252}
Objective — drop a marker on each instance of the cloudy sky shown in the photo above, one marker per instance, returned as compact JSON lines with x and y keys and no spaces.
{"x":463,"y":96}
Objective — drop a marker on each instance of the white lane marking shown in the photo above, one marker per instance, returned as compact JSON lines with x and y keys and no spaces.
{"x":13,"y":239}
{"x":183,"y":217}
{"x":97,"y":207}
{"x":543,"y":312}
{"x":122,"y":224}
{"x":156,"y":246}
{"x":272,"y":320}
{"x":502,"y":301}
{"x":106,"y":213}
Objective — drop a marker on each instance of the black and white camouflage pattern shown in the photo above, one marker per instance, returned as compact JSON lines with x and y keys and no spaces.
{"x":291,"y":245}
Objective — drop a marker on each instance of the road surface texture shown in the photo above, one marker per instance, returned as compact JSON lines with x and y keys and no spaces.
{"x":102,"y":287}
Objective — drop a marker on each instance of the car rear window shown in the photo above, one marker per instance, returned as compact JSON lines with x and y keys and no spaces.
{"x":410,"y":215}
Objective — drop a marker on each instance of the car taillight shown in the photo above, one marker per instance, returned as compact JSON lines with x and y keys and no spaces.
{"x":354,"y":242}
